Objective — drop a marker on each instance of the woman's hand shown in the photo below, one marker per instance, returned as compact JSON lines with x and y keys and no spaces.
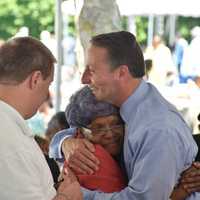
{"x":189,"y":183}
{"x":79,"y":154}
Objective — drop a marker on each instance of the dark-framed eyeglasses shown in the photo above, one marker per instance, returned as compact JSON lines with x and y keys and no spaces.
{"x":114,"y":128}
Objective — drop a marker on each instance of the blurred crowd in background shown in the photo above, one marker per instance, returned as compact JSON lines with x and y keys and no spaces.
{"x":175,"y":71}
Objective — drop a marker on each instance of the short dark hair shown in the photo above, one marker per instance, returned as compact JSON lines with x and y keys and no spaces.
{"x":40,"y":140}
{"x":57,"y":123}
{"x":20,"y":56}
{"x":123,"y":49}
{"x":148,"y":65}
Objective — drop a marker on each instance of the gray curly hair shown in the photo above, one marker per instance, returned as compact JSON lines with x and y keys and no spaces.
{"x":84,"y":107}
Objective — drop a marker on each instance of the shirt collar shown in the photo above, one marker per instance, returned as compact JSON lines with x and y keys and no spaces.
{"x":129,"y":107}
{"x":15,"y":117}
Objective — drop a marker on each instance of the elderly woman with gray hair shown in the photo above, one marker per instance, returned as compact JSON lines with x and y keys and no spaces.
{"x":98,"y":122}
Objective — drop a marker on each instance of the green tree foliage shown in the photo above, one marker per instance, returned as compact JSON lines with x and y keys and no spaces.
{"x":141,"y":31}
{"x":71,"y":28}
{"x":185,"y":24}
{"x":37,"y":15}
{"x":141,"y":28}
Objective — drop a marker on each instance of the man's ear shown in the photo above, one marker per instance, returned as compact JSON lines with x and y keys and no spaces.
{"x":123,"y":71}
{"x":34,"y":79}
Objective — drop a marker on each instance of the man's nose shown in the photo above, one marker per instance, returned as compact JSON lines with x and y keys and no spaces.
{"x":86,"y":77}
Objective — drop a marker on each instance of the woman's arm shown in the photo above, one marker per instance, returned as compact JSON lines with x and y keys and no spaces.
{"x":189,"y":183}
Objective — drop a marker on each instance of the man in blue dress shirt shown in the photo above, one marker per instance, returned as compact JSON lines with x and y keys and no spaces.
{"x":158,"y":145}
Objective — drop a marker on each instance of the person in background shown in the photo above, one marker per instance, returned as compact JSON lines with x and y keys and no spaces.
{"x":148,"y":67}
{"x":57,"y":123}
{"x":26,"y":71}
{"x":38,"y":123}
{"x":190,"y":68}
{"x":163,"y":70}
{"x":180,"y":47}
{"x":44,"y":146}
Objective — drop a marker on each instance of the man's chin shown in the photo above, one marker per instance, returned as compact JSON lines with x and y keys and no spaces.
{"x":97,"y":95}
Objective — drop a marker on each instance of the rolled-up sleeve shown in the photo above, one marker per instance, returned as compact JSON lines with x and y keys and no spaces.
{"x":56,"y":143}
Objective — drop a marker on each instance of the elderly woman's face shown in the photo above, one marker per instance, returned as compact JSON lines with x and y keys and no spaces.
{"x":108,"y":131}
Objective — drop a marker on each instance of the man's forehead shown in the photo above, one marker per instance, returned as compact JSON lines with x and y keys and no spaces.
{"x":94,"y":48}
{"x":97,"y":54}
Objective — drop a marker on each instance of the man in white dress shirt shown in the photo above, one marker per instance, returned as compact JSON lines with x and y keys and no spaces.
{"x":26,"y":71}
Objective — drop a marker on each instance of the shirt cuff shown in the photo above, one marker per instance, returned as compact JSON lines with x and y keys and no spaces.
{"x":87,"y":194}
{"x":55,"y":147}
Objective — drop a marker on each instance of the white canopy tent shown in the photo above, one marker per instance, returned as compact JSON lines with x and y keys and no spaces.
{"x":159,"y":7}
{"x":128,"y":8}
{"x":152,"y":8}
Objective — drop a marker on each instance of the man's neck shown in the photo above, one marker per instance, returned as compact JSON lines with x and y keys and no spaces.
{"x":128,"y":89}
{"x":12,"y":96}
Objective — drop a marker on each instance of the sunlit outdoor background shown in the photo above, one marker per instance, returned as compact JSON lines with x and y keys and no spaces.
{"x":168,"y":32}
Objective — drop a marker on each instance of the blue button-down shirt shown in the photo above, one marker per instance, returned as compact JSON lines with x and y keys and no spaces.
{"x":158,"y":146}
{"x":56,"y":143}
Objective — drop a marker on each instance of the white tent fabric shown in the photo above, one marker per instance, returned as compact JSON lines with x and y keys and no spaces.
{"x":159,"y":7}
